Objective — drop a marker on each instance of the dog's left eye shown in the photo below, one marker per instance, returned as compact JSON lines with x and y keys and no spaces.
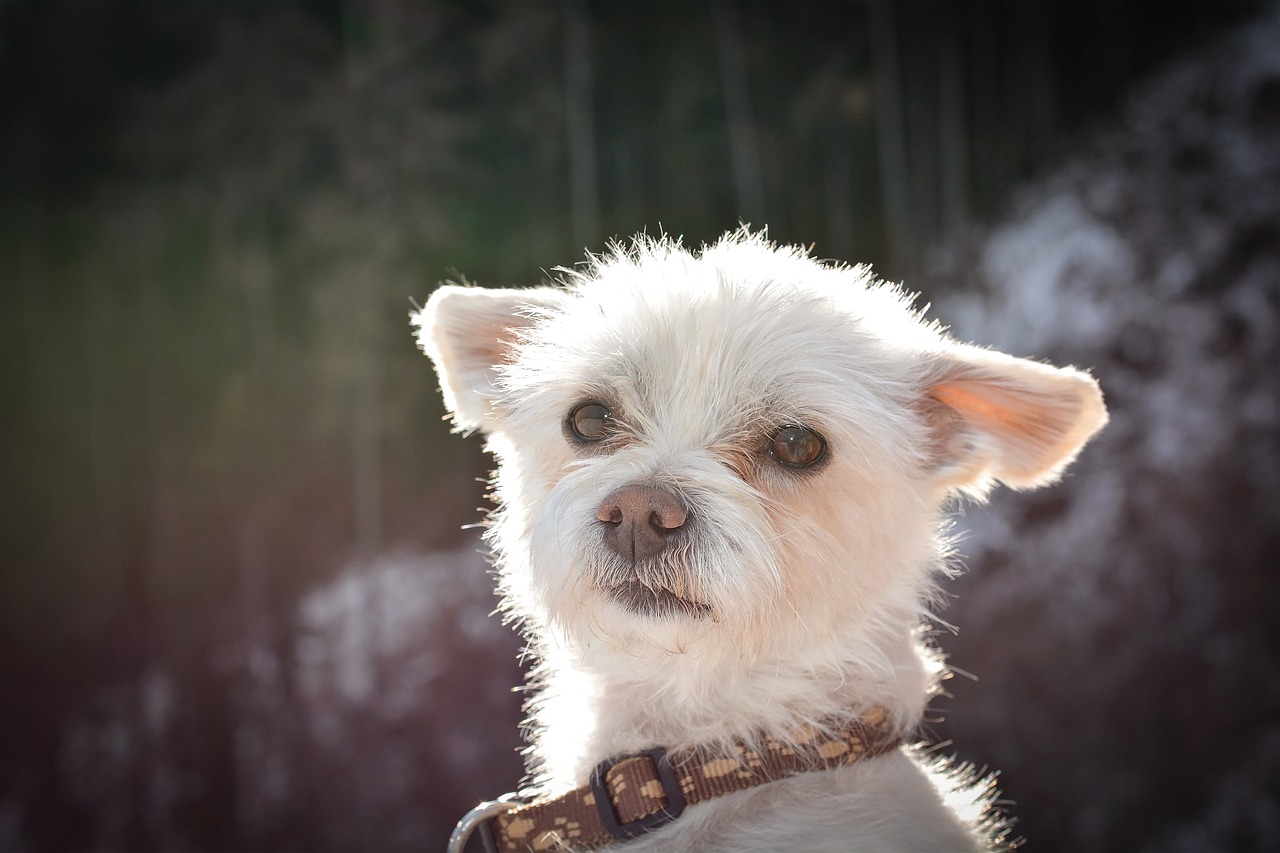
{"x":590,"y":421}
{"x":797,"y":447}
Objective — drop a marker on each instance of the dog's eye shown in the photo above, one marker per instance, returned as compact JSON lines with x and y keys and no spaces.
{"x":590,"y":421}
{"x":797,"y":446}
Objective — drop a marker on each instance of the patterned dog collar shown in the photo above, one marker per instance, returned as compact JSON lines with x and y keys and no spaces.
{"x":632,"y":794}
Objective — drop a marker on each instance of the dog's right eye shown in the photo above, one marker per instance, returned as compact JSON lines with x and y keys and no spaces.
{"x":590,"y":421}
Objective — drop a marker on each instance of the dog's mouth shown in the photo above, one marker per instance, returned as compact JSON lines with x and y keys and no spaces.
{"x":656,"y":603}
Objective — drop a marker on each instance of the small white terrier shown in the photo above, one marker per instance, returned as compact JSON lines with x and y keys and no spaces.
{"x":720,"y":485}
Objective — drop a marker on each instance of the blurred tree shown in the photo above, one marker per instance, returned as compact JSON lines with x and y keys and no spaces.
{"x":890,"y":128}
{"x":584,"y":193}
{"x":744,"y":154}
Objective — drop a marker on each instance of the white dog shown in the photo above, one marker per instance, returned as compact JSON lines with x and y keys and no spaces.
{"x":720,"y":486}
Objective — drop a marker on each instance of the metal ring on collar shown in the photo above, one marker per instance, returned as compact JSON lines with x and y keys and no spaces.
{"x":479,"y":818}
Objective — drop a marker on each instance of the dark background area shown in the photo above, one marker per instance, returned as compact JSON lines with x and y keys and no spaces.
{"x":238,"y":609}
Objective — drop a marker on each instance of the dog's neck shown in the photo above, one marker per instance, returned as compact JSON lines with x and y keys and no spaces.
{"x":596,"y":700}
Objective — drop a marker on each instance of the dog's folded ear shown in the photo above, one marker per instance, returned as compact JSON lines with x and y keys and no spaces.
{"x":468,"y":332}
{"x":994,"y":416}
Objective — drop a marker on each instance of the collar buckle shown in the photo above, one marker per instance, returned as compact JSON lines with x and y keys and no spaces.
{"x":666,"y":776}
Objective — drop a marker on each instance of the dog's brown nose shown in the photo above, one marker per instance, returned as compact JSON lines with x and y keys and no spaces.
{"x":639,"y":520}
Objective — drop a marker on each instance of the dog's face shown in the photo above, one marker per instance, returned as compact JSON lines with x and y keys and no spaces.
{"x":743,"y":447}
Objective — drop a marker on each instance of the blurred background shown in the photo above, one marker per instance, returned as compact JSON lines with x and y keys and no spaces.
{"x":238,"y":606}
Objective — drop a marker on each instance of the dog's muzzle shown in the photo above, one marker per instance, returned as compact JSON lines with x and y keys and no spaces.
{"x":641,"y":525}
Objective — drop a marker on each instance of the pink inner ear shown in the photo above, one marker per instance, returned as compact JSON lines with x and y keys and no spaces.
{"x":1026,"y":417}
{"x":974,"y":405}
{"x":488,"y":345}
{"x":468,"y":332}
{"x":1034,"y":418}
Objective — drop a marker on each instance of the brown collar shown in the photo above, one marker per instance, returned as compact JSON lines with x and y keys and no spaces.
{"x":631,"y":794}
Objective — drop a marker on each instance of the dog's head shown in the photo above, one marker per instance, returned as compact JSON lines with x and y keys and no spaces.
{"x":741,"y":444}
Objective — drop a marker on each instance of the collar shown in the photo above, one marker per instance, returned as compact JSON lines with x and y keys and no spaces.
{"x":634,"y":793}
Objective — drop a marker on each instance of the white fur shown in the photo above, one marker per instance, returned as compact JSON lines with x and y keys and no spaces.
{"x":818,"y":581}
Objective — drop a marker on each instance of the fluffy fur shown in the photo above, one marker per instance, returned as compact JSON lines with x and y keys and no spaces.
{"x":812,"y":585}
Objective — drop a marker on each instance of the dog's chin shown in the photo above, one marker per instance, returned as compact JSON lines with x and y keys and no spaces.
{"x":659,"y":603}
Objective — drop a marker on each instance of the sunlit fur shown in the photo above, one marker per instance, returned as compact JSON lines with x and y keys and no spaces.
{"x":816,"y":583}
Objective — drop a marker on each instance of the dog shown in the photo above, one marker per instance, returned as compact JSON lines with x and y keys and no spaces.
{"x":721,"y":491}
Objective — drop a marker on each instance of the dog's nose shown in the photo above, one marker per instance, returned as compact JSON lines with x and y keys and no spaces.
{"x":639,"y":520}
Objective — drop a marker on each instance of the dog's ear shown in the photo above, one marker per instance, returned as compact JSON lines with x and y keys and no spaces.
{"x":993,"y":416}
{"x":468,"y":332}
